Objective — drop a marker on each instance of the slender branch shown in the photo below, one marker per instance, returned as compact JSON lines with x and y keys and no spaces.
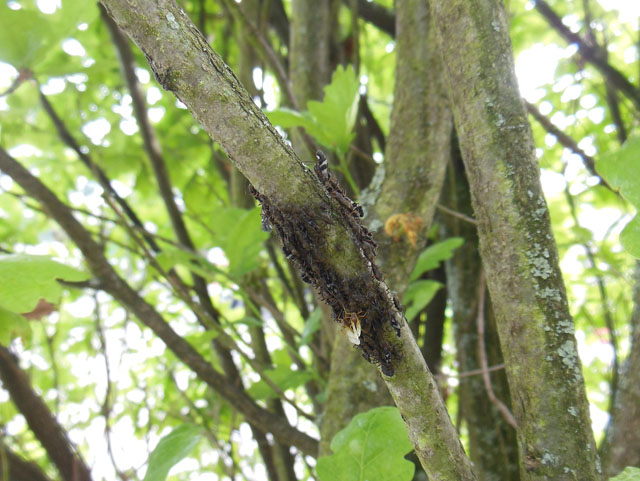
{"x":120,"y":290}
{"x":594,"y":54}
{"x":565,"y":140}
{"x":482,"y":357}
{"x":377,"y":15}
{"x":456,"y":214}
{"x":16,"y":468}
{"x":604,"y":301}
{"x":41,"y":420}
{"x":103,"y":180}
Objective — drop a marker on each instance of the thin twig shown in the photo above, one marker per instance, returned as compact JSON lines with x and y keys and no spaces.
{"x":456,"y":214}
{"x":482,"y":356}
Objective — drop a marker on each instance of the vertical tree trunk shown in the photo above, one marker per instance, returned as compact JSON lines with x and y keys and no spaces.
{"x":493,"y":447}
{"x":408,"y":182}
{"x":622,"y":443}
{"x":516,"y":243}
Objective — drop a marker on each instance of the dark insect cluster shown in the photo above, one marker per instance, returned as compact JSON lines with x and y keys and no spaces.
{"x":361,"y":304}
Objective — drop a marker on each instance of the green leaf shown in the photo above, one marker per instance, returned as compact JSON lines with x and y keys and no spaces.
{"x":621,"y":169}
{"x":28,"y":37}
{"x":12,"y":325}
{"x":283,"y":377}
{"x":371,"y":447}
{"x":244,"y":241}
{"x":630,"y":237}
{"x":628,"y":474}
{"x":418,"y":295}
{"x":25,"y":36}
{"x":330,"y":121}
{"x":170,"y":450}
{"x":25,"y":279}
{"x":311,"y":325}
{"x":433,"y":255}
{"x":338,"y":109}
{"x":287,"y":118}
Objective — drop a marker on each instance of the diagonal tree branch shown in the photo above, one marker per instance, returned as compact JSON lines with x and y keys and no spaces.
{"x":18,"y":468}
{"x":595,"y":54}
{"x":323,"y":236}
{"x":41,"y":420}
{"x":120,"y":290}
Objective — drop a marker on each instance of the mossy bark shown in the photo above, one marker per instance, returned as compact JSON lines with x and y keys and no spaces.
{"x":409,"y":182}
{"x":622,"y":443}
{"x":324,"y":237}
{"x":493,"y":446}
{"x":516,"y":243}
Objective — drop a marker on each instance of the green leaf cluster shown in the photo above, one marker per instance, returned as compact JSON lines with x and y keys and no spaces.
{"x":331,"y":121}
{"x":372,"y":446}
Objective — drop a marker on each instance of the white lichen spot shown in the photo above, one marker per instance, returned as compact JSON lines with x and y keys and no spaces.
{"x":530,"y":194}
{"x":550,"y":293}
{"x":547,"y":328}
{"x":549,"y":459}
{"x":573,"y":411}
{"x":375,"y":225}
{"x":172,"y":21}
{"x":496,"y":25}
{"x":565,"y":326}
{"x":541,"y":267}
{"x":369,"y":385}
{"x":569,"y":356}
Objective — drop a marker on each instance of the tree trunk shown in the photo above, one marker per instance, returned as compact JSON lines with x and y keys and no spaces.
{"x":516,"y":244}
{"x":622,"y":443}
{"x":493,"y":446}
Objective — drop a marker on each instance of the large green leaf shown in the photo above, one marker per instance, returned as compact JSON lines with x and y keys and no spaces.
{"x":371,"y":447}
{"x":628,"y":474}
{"x":433,"y":255}
{"x":28,"y":37}
{"x":171,"y":449}
{"x":25,"y":279}
{"x":337,"y":112}
{"x":418,"y":295}
{"x":621,"y":169}
{"x":330,"y":121}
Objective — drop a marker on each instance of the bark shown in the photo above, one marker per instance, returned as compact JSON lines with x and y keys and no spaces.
{"x":309,"y":68}
{"x":18,"y":468}
{"x":493,"y":447}
{"x":41,"y":421}
{"x":622,"y":443}
{"x":325,"y":238}
{"x":408,"y":182}
{"x":516,"y":244}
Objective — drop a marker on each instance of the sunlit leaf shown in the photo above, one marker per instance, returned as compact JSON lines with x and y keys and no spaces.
{"x":371,"y":447}
{"x":170,"y":450}
{"x":25,"y":279}
{"x":621,"y":169}
{"x":418,"y":295}
{"x":12,"y":325}
{"x":628,"y":474}
{"x":431,"y":257}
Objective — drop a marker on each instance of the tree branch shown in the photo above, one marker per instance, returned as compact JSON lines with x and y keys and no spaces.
{"x":120,"y":290}
{"x":41,"y":420}
{"x":18,"y":468}
{"x":327,"y":241}
{"x":595,"y":54}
